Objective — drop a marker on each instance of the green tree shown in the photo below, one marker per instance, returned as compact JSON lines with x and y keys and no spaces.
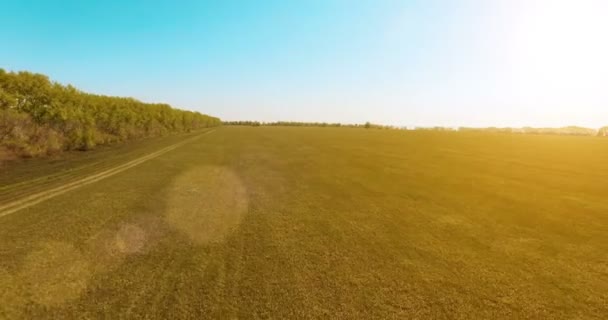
{"x":40,"y":117}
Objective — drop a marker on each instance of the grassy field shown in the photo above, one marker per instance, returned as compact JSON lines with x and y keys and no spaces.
{"x":277,"y":222}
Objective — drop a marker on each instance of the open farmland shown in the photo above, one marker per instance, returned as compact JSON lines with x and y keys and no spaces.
{"x":277,"y":222}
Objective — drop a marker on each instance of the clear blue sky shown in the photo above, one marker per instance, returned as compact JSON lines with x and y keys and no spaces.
{"x":428,"y":62}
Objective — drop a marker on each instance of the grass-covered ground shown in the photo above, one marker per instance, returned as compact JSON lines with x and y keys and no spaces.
{"x":318,"y":223}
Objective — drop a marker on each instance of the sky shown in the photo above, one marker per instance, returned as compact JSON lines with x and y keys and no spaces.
{"x":407,"y":63}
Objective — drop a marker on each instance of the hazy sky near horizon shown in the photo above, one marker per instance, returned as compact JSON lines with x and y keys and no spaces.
{"x":427,"y":62}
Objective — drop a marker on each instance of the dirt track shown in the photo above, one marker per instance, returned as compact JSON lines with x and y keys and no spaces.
{"x":36,"y":198}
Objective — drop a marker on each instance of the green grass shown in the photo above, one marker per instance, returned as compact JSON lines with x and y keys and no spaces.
{"x":26,"y":176}
{"x":322,"y":223}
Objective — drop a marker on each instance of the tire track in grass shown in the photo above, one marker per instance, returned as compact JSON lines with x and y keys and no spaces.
{"x":36,"y":198}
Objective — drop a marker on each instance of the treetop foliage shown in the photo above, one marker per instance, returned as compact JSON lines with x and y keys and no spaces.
{"x":39,"y":116}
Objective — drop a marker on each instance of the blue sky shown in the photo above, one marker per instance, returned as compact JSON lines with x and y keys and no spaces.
{"x":452,"y":62}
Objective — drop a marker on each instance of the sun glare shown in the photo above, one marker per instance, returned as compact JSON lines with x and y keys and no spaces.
{"x":560,"y":48}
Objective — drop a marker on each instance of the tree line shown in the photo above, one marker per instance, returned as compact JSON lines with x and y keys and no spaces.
{"x":366,"y":125}
{"x":570,"y":130}
{"x":40,"y":117}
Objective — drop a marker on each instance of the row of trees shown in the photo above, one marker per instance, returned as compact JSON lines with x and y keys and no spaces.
{"x":39,"y":116}
{"x":366,"y":125}
{"x":569,"y":131}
